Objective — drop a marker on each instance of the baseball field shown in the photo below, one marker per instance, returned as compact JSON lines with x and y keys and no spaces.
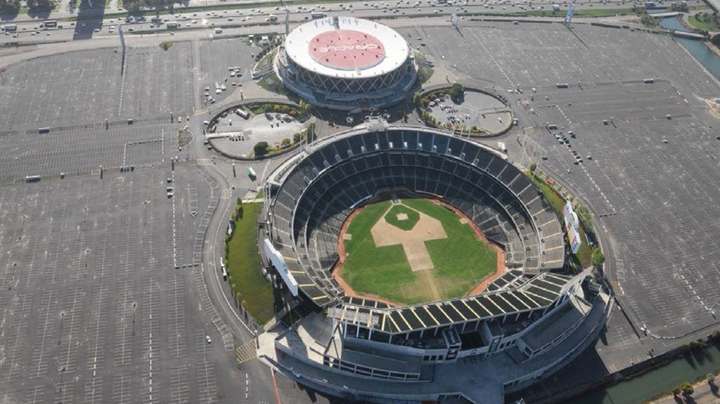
{"x":414,"y":251}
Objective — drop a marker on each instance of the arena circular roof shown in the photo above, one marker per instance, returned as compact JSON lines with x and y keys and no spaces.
{"x":355,"y":48}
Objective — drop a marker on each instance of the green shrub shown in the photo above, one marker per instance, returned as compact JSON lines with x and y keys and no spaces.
{"x":260,"y":148}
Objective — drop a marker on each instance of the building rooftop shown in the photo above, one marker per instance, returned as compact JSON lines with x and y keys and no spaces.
{"x":354,"y":48}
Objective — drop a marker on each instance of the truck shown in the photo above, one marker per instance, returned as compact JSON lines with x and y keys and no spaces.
{"x":49,"y":24}
{"x":10,"y":28}
{"x":556,"y":7}
{"x":650,"y":5}
{"x":272,"y":18}
{"x":251,"y":173}
{"x":173,"y":25}
{"x":317,"y":16}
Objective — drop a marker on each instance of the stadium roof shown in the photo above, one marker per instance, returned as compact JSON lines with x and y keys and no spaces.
{"x":539,"y":293}
{"x":321,"y":47}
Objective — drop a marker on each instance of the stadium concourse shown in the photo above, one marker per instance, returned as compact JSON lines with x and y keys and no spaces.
{"x":527,"y":324}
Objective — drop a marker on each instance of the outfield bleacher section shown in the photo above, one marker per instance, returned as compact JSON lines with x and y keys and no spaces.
{"x":321,"y":188}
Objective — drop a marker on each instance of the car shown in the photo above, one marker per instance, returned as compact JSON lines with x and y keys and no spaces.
{"x":96,"y":30}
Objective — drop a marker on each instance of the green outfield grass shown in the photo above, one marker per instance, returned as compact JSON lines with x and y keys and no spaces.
{"x":461,"y":260}
{"x":412,"y":217}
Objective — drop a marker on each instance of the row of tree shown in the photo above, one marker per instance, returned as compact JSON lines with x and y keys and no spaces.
{"x":712,"y":19}
{"x":134,"y":6}
{"x":13,"y":6}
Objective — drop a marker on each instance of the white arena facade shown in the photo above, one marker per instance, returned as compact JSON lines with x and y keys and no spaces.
{"x":346,"y":63}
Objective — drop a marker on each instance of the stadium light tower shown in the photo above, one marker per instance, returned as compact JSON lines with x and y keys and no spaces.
{"x":287,"y":18}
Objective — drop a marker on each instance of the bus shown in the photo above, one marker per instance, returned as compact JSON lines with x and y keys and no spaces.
{"x":251,"y":173}
{"x":316,"y":16}
{"x":172,"y":25}
{"x":49,"y":24}
{"x":10,"y":28}
{"x":242,"y":113}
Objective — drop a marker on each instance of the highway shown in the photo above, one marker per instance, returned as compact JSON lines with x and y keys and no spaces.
{"x":205,"y":23}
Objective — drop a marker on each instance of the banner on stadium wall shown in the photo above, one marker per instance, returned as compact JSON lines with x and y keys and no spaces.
{"x":572,"y":227}
{"x":575,"y":241}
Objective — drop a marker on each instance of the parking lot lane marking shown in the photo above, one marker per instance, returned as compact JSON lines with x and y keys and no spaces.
{"x":277,"y":393}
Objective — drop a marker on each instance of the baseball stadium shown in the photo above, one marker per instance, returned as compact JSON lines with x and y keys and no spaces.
{"x":346,"y":63}
{"x":413,"y":254}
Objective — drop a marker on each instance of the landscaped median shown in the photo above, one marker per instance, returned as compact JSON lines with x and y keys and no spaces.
{"x":465,"y":111}
{"x":253,"y":293}
{"x":584,"y":255}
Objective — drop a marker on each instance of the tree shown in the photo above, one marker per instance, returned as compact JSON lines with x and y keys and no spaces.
{"x":311,"y":135}
{"x":260,"y":148}
{"x":456,"y":91}
{"x":306,"y":107}
{"x":40,"y":5}
{"x":678,"y":6}
{"x":687,"y":388}
{"x":533,"y":167}
{"x":285,"y":142}
{"x":597,"y":258}
{"x":10,"y":7}
{"x":585,"y":217}
{"x":416,"y":99}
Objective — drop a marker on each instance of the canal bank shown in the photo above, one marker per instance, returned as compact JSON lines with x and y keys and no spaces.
{"x":707,"y":58}
{"x":647,"y":383}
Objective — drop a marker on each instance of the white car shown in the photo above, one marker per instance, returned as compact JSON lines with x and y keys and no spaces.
{"x":207,"y":338}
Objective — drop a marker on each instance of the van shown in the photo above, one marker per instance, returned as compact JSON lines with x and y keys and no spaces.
{"x":218,"y":30}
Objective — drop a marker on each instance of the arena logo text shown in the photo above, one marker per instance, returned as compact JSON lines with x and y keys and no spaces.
{"x":341,"y":48}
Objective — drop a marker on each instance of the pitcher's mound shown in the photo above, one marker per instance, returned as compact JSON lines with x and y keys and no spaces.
{"x":413,"y":241}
